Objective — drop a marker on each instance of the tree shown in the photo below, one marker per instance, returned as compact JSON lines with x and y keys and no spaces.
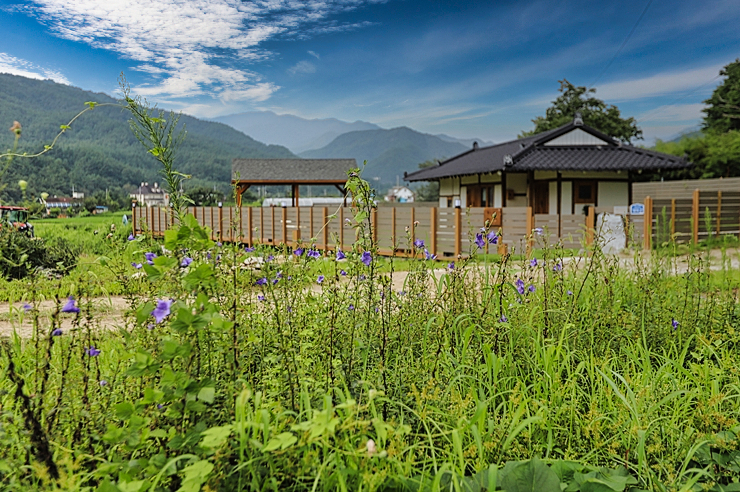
{"x":595,"y":113}
{"x":203,"y":196}
{"x":428,"y":192}
{"x":723,"y":113}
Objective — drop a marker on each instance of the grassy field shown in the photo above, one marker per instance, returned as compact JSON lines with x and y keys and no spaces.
{"x":319,"y":374}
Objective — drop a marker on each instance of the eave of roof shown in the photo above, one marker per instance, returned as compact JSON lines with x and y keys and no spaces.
{"x":281,"y":171}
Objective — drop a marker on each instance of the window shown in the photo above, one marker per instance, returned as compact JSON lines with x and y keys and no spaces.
{"x":584,"y":192}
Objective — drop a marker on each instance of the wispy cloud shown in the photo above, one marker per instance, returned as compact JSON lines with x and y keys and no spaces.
{"x":302,"y":67}
{"x":659,"y":84}
{"x":314,"y":54}
{"x":674,"y":113}
{"x":192,"y":44}
{"x":16,"y":66}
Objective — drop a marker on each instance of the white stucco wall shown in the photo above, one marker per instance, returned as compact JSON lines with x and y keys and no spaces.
{"x":553,"y":197}
{"x":469,"y":179}
{"x":518,"y":183}
{"x":566,"y":203}
{"x":497,"y":200}
{"x":613,"y":193}
{"x":490,"y":178}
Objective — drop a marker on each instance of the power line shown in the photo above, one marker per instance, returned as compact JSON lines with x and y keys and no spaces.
{"x":623,"y":44}
{"x":663,"y":107}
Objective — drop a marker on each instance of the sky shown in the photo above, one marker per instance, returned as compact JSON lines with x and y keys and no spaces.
{"x":475,"y":69}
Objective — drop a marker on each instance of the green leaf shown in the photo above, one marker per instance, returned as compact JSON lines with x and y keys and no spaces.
{"x":529,"y":476}
{"x":64,"y":127}
{"x":216,"y":436}
{"x":195,"y":475}
{"x":135,"y":486}
{"x":207,"y":394}
{"x":91,"y":104}
{"x":281,"y":441}
{"x":124,"y":410}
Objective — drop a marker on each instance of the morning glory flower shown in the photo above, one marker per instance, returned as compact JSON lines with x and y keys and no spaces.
{"x":70,"y":306}
{"x":366,"y":258}
{"x":131,"y":237}
{"x":186,"y":261}
{"x":92,"y":351}
{"x":532,"y":288}
{"x":162,"y":310}
{"x":519,"y":285}
{"x":674,"y":323}
{"x":342,"y":273}
{"x":150,"y":257}
{"x":57,"y":332}
{"x":313,"y":254}
{"x":340,"y":255}
{"x":479,"y":241}
{"x":533,"y":263}
{"x":419,"y":243}
{"x":261,"y":281}
{"x":320,"y":279}
{"x":558,"y":267}
{"x":503,"y":319}
{"x":298,"y":251}
{"x":492,"y":237}
{"x":136,"y":265}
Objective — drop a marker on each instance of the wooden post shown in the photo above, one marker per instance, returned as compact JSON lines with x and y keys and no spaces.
{"x":151,"y":219}
{"x":719,"y":211}
{"x":433,"y":231}
{"x":272,"y":226}
{"x":262,"y":225}
{"x":203,"y":216}
{"x":530,"y":228}
{"x":374,"y":225}
{"x":673,"y":218}
{"x":297,"y":233}
{"x":325,"y":215}
{"x":695,"y":216}
{"x":413,"y":228}
{"x":647,"y":226}
{"x":310,"y":224}
{"x":393,"y":228}
{"x":221,"y":223}
{"x":133,"y":217}
{"x":590,"y":226}
{"x":231,"y":224}
{"x":458,"y":227}
{"x":284,"y":218}
{"x":249,"y":226}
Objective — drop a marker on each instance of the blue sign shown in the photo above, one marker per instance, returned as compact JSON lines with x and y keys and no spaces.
{"x":637,"y":209}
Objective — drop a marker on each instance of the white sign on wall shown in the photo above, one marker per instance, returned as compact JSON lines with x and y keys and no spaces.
{"x":637,"y":209}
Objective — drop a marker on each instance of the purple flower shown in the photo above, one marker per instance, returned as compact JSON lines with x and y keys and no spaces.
{"x":538,"y":230}
{"x":279,"y":274}
{"x":160,"y":406}
{"x":451,"y":265}
{"x":70,"y":306}
{"x":492,"y":237}
{"x":162,"y":310}
{"x":362,"y":277}
{"x":249,"y":249}
{"x":57,"y":332}
{"x":351,"y":307}
{"x":320,"y":279}
{"x":519,"y":286}
{"x":674,"y":323}
{"x":261,"y":281}
{"x":533,"y":263}
{"x":219,"y":244}
{"x":503,"y":319}
{"x":419,"y":243}
{"x":136,"y":265}
{"x":570,"y":292}
{"x":150,"y":327}
{"x":131,"y":237}
{"x":340,"y":254}
{"x":342,"y":273}
{"x":298,"y":251}
{"x":270,"y":258}
{"x":429,"y":256}
{"x":532,"y":288}
{"x":260,"y":297}
{"x":558,"y":267}
{"x":275,"y":281}
{"x":103,"y":382}
{"x":401,"y":292}
{"x":208,"y":255}
{"x":186,"y":261}
{"x":27,"y":307}
{"x":366,"y":258}
{"x":289,"y":309}
{"x":479,"y":241}
{"x":313,"y":254}
{"x":150,"y":257}
{"x":92,"y":351}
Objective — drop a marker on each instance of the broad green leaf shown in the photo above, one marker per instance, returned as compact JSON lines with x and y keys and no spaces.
{"x":207,"y":394}
{"x":529,"y":476}
{"x":216,"y":436}
{"x":195,"y":475}
{"x":124,"y":410}
{"x":281,"y":441}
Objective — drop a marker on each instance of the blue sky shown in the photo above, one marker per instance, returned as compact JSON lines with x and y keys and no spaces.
{"x":467,"y":69}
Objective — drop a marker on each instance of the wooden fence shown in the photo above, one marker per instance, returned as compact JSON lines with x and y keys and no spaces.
{"x":446,"y":232}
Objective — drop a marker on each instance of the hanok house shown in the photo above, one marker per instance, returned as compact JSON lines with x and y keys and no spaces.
{"x":561,"y":171}
{"x":290,"y":172}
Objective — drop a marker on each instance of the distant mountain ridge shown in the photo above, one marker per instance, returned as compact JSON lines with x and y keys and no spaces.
{"x":100,"y":151}
{"x":296,"y":133}
{"x":389,"y":153}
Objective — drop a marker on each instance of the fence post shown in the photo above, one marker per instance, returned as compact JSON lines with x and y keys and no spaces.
{"x":673,"y":218}
{"x":249,"y":226}
{"x":325,"y":228}
{"x":284,"y":220}
{"x":393,"y":229}
{"x":647,"y":231}
{"x":133,"y":216}
{"x":297,"y":235}
{"x":413,"y":227}
{"x":262,"y":225}
{"x":590,"y":226}
{"x":433,"y":231}
{"x":719,"y":211}
{"x":458,"y":227}
{"x":374,"y":225}
{"x":695,"y":217}
{"x":220,"y":222}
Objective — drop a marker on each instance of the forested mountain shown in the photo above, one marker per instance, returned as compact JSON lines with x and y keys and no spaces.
{"x":99,"y":151}
{"x":296,"y":133}
{"x":388,"y":152}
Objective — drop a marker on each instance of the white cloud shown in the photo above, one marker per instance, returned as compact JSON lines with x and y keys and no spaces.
{"x":314,"y":54}
{"x":16,"y":66}
{"x":674,"y":113}
{"x":658,"y":84}
{"x":302,"y":67}
{"x":188,"y":43}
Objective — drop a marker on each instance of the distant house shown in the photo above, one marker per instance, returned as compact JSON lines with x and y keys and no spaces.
{"x":150,"y":196}
{"x":61,"y":202}
{"x":561,"y":171}
{"x":400,"y":194}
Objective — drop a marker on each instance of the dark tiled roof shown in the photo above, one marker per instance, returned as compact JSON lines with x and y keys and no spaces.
{"x":293,"y":170}
{"x":531,"y":153}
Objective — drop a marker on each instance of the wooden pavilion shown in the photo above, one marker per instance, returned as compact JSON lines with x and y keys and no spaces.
{"x":292,"y":172}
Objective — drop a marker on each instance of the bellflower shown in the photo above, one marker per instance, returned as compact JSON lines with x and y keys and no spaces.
{"x":150,"y":257}
{"x":558,"y":267}
{"x":429,"y":256}
{"x":260,"y":297}
{"x":492,"y":237}
{"x":186,"y":261}
{"x":70,"y":306}
{"x":519,"y":286}
{"x":538,"y":230}
{"x":249,"y":249}
{"x":532,"y":288}
{"x":419,"y":243}
{"x":313,"y":254}
{"x":298,"y":251}
{"x":92,"y":351}
{"x":451,"y":265}
{"x":342,"y":273}
{"x":162,"y":310}
{"x":269,"y":258}
{"x":27,"y":307}
{"x":366,"y":258}
{"x":261,"y":281}
{"x":503,"y":319}
{"x":219,"y":244}
{"x":136,"y":265}
{"x":57,"y":332}
{"x":570,"y":292}
{"x":340,"y":255}
{"x":533,"y":263}
{"x":479,"y":241}
{"x":351,"y":307}
{"x":103,"y":382}
{"x":362,"y":277}
{"x":131,"y":237}
{"x":674,"y":323}
{"x":320,"y":279}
